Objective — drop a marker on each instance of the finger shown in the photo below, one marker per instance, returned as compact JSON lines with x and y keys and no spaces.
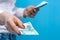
{"x":8,"y":27}
{"x":29,"y":8}
{"x":32,"y":12}
{"x":37,"y":9}
{"x":31,"y":16}
{"x":19,"y":23}
{"x":13,"y":26}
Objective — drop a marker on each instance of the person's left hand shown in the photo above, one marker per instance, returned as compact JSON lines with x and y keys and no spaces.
{"x":30,"y":13}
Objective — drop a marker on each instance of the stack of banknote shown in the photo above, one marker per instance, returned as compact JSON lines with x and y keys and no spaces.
{"x":29,"y":30}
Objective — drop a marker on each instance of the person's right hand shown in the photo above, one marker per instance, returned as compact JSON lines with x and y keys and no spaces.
{"x":12,"y":22}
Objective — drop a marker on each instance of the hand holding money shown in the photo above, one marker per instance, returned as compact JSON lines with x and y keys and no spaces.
{"x":31,"y":10}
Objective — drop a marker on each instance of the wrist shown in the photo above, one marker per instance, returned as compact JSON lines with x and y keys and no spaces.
{"x":25,"y":14}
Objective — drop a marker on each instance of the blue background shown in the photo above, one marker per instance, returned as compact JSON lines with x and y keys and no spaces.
{"x":46,"y":22}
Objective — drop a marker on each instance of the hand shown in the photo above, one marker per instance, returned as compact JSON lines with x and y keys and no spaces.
{"x":11,"y":23}
{"x":32,"y":13}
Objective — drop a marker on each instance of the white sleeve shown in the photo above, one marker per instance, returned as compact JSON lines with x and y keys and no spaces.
{"x":1,"y":11}
{"x":19,"y":12}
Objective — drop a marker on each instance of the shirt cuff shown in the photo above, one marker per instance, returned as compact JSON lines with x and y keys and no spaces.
{"x":19,"y":12}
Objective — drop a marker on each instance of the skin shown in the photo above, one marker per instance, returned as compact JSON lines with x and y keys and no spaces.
{"x":13,"y":21}
{"x":32,"y":13}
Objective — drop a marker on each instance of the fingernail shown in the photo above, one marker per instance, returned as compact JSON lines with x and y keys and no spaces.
{"x":23,"y":26}
{"x":19,"y":33}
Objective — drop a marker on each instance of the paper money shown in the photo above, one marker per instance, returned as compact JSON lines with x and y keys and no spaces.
{"x":29,"y":30}
{"x":41,"y":4}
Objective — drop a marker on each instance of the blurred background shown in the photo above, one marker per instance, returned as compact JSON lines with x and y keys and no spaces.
{"x":46,"y":22}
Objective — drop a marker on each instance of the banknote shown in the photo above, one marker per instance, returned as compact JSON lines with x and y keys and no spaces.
{"x":29,"y":29}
